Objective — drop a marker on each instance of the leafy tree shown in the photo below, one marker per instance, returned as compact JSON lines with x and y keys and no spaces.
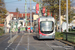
{"x":3,"y":11}
{"x":53,"y":6}
{"x":17,"y":10}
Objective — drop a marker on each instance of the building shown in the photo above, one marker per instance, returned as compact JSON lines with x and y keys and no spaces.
{"x":7,"y":19}
{"x":17,"y":16}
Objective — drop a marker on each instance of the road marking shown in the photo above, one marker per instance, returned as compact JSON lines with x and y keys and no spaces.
{"x":19,"y":43}
{"x":4,"y":40}
{"x":8,"y":46}
{"x":48,"y":45}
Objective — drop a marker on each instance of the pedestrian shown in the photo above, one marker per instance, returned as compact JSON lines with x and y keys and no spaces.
{"x":9,"y":30}
{"x":29,"y":29}
{"x":19,"y":30}
{"x":26,"y":28}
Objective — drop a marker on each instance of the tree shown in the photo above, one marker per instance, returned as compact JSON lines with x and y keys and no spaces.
{"x":17,"y":10}
{"x":3,"y":11}
{"x":53,"y":6}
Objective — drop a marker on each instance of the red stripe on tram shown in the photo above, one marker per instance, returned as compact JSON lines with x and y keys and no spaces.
{"x":39,"y":27}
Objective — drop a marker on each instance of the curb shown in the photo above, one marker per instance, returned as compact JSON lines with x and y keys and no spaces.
{"x":66,"y":42}
{"x":12,"y":39}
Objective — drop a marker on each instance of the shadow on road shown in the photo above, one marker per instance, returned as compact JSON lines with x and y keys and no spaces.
{"x":35,"y":38}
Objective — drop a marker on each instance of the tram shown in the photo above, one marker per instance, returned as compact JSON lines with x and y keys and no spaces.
{"x":45,"y":28}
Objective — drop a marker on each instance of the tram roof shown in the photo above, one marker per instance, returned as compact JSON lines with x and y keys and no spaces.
{"x":46,"y":17}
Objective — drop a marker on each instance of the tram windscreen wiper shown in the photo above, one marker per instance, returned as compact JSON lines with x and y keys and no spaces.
{"x":46,"y":32}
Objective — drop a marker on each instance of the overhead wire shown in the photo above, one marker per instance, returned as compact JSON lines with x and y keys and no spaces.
{"x":18,"y":3}
{"x":11,"y":1}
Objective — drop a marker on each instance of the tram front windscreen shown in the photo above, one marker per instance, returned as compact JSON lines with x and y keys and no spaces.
{"x":46,"y":26}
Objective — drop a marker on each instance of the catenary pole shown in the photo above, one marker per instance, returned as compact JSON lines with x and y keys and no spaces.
{"x":30,"y":14}
{"x":26,"y":12}
{"x":67,"y":15}
{"x":60,"y":15}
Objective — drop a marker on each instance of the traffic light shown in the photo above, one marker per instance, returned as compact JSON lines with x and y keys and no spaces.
{"x":37,"y":8}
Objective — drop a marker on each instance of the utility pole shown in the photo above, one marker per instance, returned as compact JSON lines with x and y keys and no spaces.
{"x":60,"y":15}
{"x":30,"y":14}
{"x":26,"y":12}
{"x":67,"y":14}
{"x":40,"y":8}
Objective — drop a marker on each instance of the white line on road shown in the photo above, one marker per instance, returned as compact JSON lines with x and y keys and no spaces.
{"x":4,"y":40}
{"x":19,"y":43}
{"x":8,"y":46}
{"x":48,"y":45}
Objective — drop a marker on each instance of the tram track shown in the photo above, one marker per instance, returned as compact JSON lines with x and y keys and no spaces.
{"x":10,"y":44}
{"x":54,"y":44}
{"x":5,"y":38}
{"x":19,"y":42}
{"x":18,"y":46}
{"x":48,"y":45}
{"x":58,"y":46}
{"x":36,"y":44}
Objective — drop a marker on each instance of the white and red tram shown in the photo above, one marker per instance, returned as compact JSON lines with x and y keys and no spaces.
{"x":45,"y":28}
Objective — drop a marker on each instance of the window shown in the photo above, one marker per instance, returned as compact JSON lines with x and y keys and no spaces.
{"x":46,"y":26}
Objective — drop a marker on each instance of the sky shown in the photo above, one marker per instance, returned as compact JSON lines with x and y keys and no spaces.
{"x":11,"y":5}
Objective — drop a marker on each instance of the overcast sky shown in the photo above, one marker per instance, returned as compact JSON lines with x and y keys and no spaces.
{"x":11,"y":5}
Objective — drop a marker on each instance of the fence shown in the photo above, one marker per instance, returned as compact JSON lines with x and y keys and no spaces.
{"x":68,"y":36}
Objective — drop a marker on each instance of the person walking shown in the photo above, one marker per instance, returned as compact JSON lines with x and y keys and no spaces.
{"x":26,"y":29}
{"x":19,"y":30}
{"x":29,"y":29}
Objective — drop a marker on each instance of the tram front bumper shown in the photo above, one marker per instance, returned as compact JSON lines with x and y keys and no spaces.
{"x":46,"y":36}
